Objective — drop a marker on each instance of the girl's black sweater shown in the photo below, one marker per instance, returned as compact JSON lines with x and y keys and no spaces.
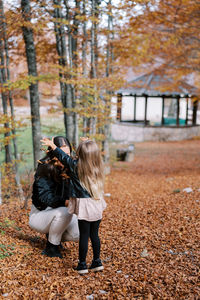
{"x":75,"y":188}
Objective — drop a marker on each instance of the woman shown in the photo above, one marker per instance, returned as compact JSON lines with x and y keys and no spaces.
{"x":49,"y":213}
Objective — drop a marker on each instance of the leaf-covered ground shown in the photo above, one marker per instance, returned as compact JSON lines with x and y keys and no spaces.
{"x":150,"y":236}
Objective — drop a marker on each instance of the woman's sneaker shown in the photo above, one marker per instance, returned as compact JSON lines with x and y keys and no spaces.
{"x":96,"y":265}
{"x":82,"y":268}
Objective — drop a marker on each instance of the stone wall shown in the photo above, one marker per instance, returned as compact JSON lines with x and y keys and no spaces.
{"x":126,"y":132}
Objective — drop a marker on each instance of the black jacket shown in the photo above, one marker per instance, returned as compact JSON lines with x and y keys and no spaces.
{"x":47,"y":192}
{"x":75,"y":189}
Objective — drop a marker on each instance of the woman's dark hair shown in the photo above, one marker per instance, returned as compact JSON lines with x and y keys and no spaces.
{"x":49,"y":166}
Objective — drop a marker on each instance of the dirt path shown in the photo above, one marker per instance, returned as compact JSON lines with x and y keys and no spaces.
{"x":150,"y":235}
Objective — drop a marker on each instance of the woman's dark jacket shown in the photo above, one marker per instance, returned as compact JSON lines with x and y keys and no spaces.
{"x":75,"y":188}
{"x":48,"y":192}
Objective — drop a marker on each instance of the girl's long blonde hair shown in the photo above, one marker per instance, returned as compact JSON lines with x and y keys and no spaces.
{"x":90,"y":168}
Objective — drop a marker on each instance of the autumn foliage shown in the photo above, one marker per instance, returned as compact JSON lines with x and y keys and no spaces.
{"x":162,"y":35}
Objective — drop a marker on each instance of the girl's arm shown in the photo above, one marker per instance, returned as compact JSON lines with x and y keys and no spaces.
{"x":49,"y":143}
{"x":64,"y":158}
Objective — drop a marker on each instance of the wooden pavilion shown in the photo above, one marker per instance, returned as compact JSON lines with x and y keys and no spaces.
{"x":154,"y":85}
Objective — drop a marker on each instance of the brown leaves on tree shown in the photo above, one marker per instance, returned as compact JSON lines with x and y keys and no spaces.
{"x":149,"y":236}
{"x":161,"y":35}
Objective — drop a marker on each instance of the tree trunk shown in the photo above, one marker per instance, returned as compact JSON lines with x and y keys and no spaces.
{"x":74,"y":56}
{"x":94,"y":45}
{"x":72,"y":50}
{"x":0,"y":189}
{"x":94,"y":60}
{"x":32,"y":71}
{"x":16,"y":155}
{"x":109,"y":70}
{"x":7,"y":129}
{"x":66,"y":96}
{"x":84,"y":43}
{"x":84,"y":69}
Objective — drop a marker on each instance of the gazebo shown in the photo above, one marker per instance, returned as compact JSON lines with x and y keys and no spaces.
{"x":154,"y":85}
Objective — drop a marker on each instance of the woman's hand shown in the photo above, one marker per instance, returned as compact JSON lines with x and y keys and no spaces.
{"x":84,"y":139}
{"x":49,"y":143}
{"x":66,"y":203}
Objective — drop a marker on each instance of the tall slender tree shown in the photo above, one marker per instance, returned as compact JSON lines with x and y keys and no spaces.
{"x":3,"y":80}
{"x":8,"y":95}
{"x":72,"y":28}
{"x":109,"y":71}
{"x":32,"y":71}
{"x":61,"y":46}
{"x":94,"y":57}
{"x":84,"y":60}
{"x":0,"y":189}
{"x":74,"y":56}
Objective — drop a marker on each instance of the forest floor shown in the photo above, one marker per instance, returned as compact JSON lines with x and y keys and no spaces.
{"x":149,"y":233}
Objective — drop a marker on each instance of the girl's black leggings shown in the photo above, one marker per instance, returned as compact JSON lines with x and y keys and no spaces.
{"x":88,"y":230}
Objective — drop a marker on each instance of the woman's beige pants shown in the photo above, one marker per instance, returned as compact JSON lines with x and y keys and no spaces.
{"x":57,"y":222}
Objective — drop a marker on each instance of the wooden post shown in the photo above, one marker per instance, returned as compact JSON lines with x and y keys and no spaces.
{"x":194,"y":116}
{"x":178,"y":110}
{"x":135,"y":107}
{"x":145,"y":110}
{"x":186,"y":120}
{"x":119,"y":107}
{"x":163,"y":108}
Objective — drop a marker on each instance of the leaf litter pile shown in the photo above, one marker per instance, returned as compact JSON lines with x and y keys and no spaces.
{"x":149,"y":235}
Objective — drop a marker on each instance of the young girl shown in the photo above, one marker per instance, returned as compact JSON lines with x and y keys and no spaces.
{"x":86,"y":197}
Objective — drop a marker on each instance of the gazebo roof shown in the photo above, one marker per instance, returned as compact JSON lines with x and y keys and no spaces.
{"x":154,"y":85}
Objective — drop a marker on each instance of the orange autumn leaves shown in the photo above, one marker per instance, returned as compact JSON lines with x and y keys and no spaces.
{"x":149,"y":234}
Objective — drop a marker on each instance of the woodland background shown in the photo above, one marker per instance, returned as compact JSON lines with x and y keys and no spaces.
{"x":61,"y":63}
